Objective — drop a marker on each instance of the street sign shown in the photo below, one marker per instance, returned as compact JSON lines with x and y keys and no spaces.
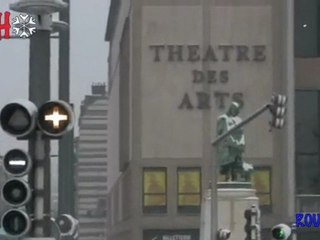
{"x":17,"y":162}
{"x":19,"y":118}
{"x":55,"y":118}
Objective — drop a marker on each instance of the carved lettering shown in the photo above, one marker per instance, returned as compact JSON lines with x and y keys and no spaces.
{"x":210,"y":55}
{"x":212,"y":76}
{"x":203,"y":100}
{"x":224,"y":76}
{"x":194,"y":55}
{"x":238,"y":97}
{"x":220,"y":96}
{"x":175,"y":53}
{"x":186,"y":103}
{"x":226,"y":52}
{"x":198,"y":76}
{"x":156,"y":49}
{"x":243,"y":53}
{"x":259,"y":53}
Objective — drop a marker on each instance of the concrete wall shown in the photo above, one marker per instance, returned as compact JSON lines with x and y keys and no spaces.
{"x":170,"y":132}
{"x":164,"y":134}
{"x":114,"y":78}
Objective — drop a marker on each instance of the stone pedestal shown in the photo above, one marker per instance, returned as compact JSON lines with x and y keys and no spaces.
{"x":233,"y":199}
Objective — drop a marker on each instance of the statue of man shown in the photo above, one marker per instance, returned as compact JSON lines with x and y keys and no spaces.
{"x":230,"y":150}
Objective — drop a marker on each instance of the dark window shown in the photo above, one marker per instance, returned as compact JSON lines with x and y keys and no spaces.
{"x":189,"y":190}
{"x":154,"y":190}
{"x":307,"y":28}
{"x":307,"y":142}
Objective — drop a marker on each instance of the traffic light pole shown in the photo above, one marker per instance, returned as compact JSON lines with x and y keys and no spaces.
{"x":66,"y":155}
{"x":241,"y":124}
{"x":39,"y":147}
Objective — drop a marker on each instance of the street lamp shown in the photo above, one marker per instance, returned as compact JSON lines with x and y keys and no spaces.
{"x":38,"y":7}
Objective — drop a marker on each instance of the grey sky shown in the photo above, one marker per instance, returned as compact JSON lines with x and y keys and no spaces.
{"x":89,"y":54}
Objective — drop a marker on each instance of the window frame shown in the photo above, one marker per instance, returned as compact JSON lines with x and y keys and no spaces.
{"x":185,"y":209}
{"x":156,"y":209}
{"x":265,"y":208}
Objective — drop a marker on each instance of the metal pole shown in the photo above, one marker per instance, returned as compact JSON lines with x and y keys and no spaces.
{"x":66,"y":152}
{"x":294,"y":231}
{"x":214,"y":194}
{"x":39,"y":147}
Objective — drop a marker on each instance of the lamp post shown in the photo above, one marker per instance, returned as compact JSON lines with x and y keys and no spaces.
{"x":39,"y":93}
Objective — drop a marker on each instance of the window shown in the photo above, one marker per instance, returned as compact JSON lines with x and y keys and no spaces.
{"x":307,"y":132}
{"x":154,"y":190}
{"x":189,"y":190}
{"x":307,"y":28}
{"x":261,"y":181}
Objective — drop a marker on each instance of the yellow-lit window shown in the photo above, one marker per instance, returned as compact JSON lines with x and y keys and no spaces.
{"x":154,"y":190}
{"x":189,"y":189}
{"x":261,"y":181}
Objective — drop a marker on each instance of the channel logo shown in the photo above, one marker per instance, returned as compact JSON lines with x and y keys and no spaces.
{"x":307,"y":220}
{"x":22,"y":25}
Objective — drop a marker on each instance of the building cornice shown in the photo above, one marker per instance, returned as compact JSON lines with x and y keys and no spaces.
{"x":113,"y":13}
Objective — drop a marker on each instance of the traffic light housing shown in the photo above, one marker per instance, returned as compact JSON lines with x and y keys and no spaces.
{"x":55,"y":118}
{"x":16,"y":223}
{"x":252,"y":225}
{"x":224,"y":234}
{"x":68,"y":225}
{"x":19,"y":118}
{"x":23,"y":120}
{"x":16,"y":192}
{"x":17,"y":163}
{"x":281,"y":232}
{"x":248,"y":224}
{"x":278,"y":110}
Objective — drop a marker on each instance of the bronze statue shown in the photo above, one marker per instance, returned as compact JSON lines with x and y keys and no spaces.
{"x":231,"y":149}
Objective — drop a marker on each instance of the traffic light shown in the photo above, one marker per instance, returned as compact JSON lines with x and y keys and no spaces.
{"x":19,"y":118}
{"x":252,"y":225}
{"x":17,"y":163}
{"x":278,"y":110}
{"x":16,"y":193}
{"x":247,"y":226}
{"x":224,"y":234}
{"x":55,"y":118}
{"x":281,"y":232}
{"x":23,"y":120}
{"x":68,"y":225}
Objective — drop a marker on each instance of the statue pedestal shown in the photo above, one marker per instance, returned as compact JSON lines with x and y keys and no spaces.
{"x":233,"y":199}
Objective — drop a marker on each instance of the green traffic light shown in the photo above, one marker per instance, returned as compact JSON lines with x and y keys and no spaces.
{"x":278,"y":233}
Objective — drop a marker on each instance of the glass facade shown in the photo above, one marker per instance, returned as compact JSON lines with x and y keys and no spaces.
{"x":307,"y":142}
{"x":307,"y":28}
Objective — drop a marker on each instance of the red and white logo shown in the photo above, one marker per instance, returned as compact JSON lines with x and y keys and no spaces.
{"x":23,"y":25}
